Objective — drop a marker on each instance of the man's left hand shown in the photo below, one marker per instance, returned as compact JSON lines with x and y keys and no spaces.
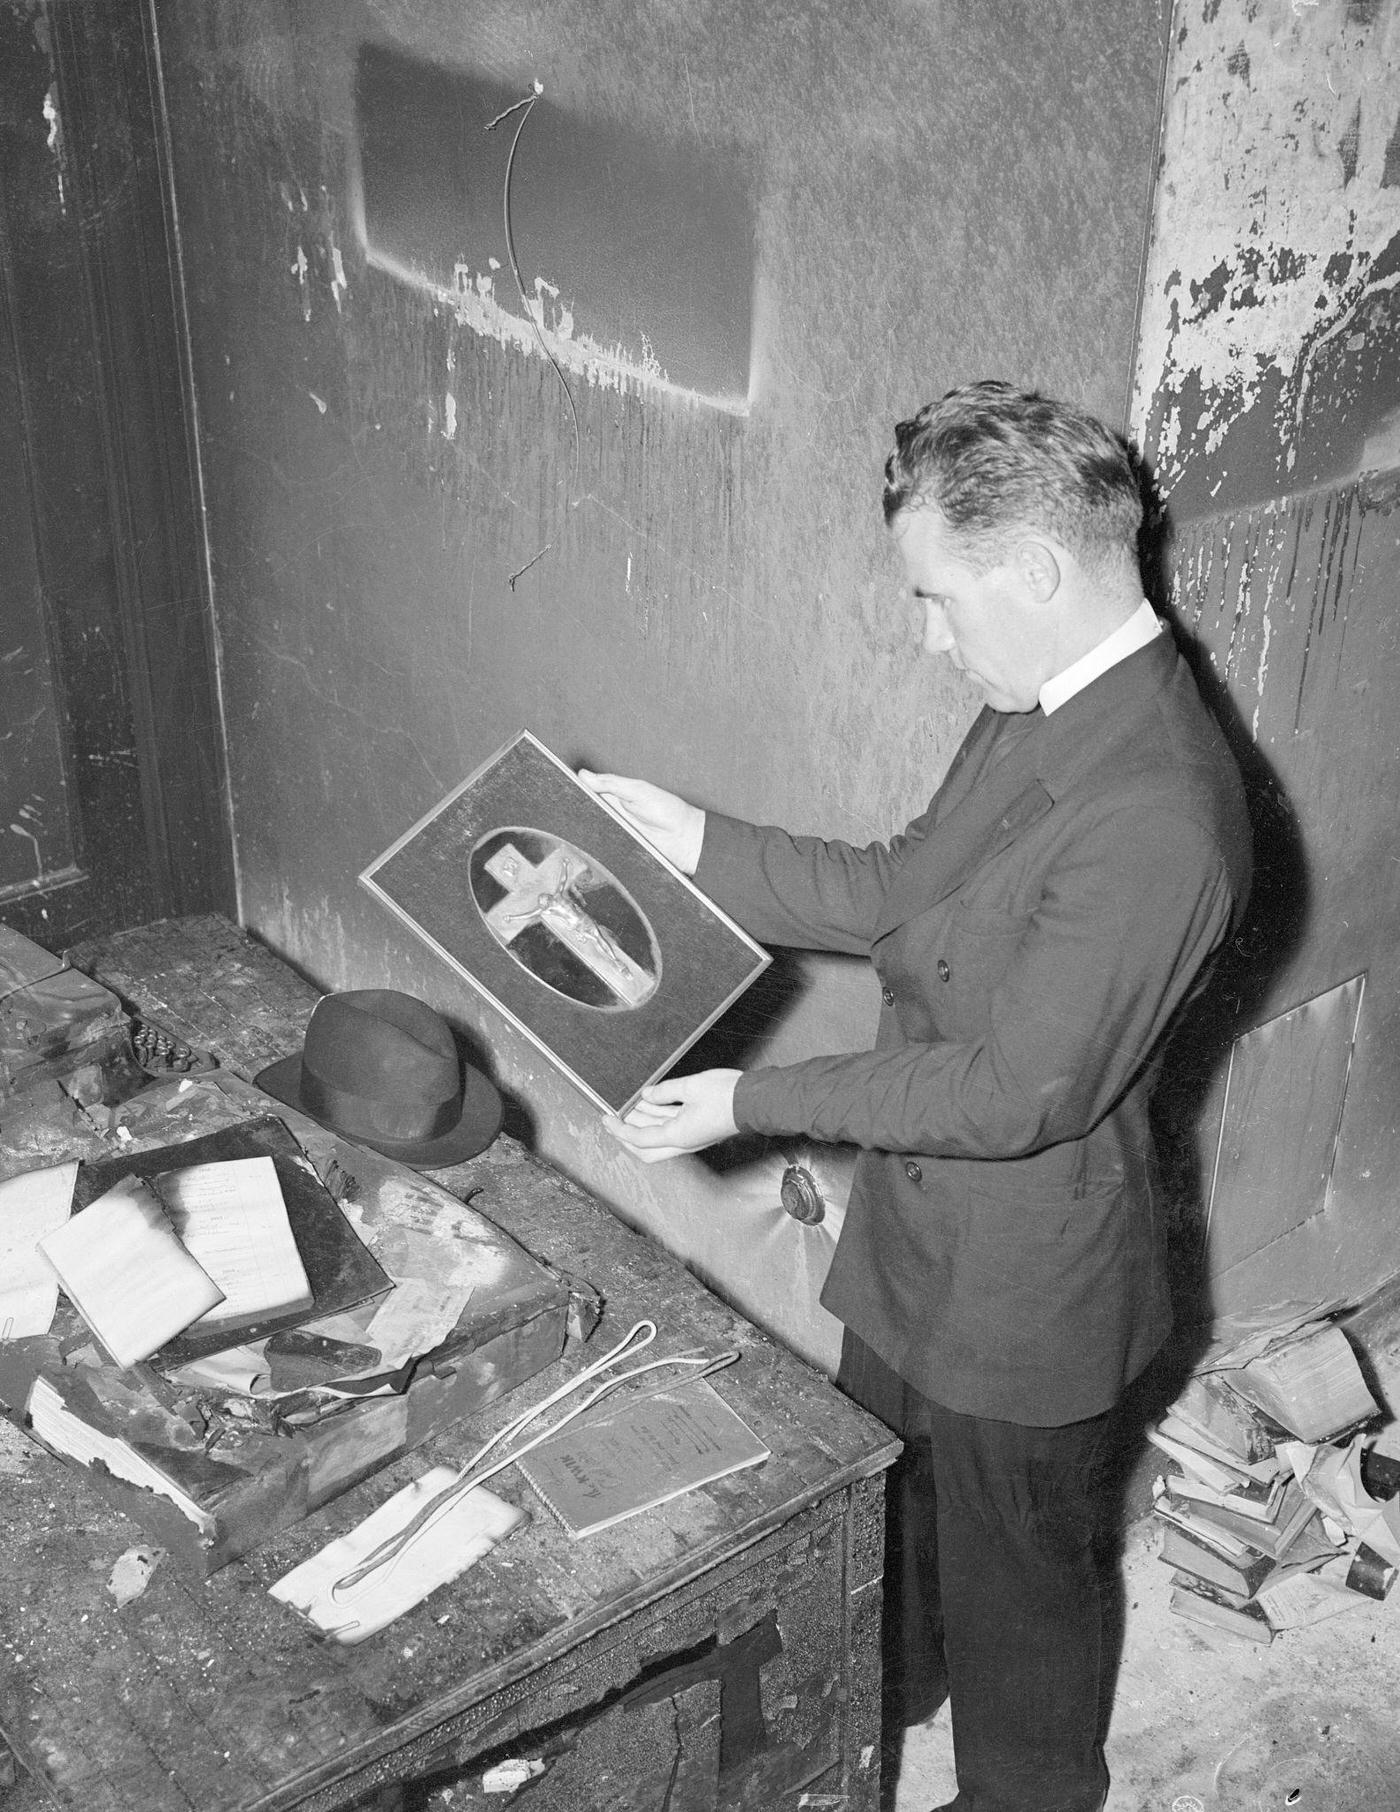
{"x":686,"y":1113}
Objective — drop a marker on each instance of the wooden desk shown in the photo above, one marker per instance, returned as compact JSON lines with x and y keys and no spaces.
{"x":721,"y":1652}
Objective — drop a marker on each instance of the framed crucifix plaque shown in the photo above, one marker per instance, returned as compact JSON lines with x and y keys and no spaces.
{"x":604,"y":955}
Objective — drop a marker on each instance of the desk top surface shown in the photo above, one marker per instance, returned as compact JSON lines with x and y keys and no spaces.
{"x":215,"y":1695}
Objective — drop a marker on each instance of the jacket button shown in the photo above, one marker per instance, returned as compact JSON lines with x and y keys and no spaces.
{"x":912,"y":1171}
{"x":887,"y":995}
{"x":944,"y":972}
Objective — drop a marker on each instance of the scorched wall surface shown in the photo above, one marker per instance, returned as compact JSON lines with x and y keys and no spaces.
{"x":421,"y":545}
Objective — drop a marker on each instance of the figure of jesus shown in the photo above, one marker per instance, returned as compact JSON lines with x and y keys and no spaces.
{"x":543,"y":893}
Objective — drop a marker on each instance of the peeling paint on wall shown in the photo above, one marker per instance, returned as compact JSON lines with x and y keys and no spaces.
{"x":474,"y":303}
{"x":1268,"y":398}
{"x":338,"y":284}
{"x":1269,"y":353}
{"x":547,"y":330}
{"x":1269,"y":588}
{"x":36,"y":843}
{"x":1293,"y":606}
{"x":55,"y":142}
{"x":299,"y":269}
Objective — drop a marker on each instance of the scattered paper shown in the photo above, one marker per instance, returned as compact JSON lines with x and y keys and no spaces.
{"x":32,"y":1206}
{"x":232,"y":1219}
{"x":1195,"y":1463}
{"x":456,"y":1540}
{"x":1331,"y":1477}
{"x":511,"y":1776}
{"x":1303,"y":1598}
{"x":132,"y":1573}
{"x":66,"y":1432}
{"x":239,"y":1370}
{"x":125,"y":1271}
{"x":413,"y":1318}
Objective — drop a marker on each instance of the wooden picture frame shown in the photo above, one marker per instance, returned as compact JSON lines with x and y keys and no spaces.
{"x":607,"y":958}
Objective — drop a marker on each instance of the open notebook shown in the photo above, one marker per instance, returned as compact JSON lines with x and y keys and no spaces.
{"x":122,"y":1266}
{"x":339,"y":1266}
{"x":652,"y":1448}
{"x":232,"y":1220}
{"x":207,"y":1246}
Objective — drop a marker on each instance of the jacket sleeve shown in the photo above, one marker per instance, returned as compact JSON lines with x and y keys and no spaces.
{"x":1083,"y":990}
{"x":799,"y":891}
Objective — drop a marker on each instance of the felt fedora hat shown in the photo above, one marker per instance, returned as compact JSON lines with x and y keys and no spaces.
{"x":382,"y":1069}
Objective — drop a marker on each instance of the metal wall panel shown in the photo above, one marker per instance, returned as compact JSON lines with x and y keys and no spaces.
{"x":1268,"y":375}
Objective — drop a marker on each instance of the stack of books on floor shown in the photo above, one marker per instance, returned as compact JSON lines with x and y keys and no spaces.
{"x":1270,"y":1489}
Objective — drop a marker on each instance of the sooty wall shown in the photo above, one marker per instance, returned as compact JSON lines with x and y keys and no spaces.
{"x":423,"y":543}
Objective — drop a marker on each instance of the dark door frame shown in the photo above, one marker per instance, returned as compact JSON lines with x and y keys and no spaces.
{"x":96,"y":309}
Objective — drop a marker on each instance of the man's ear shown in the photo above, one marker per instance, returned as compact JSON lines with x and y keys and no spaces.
{"x":1040,"y":569}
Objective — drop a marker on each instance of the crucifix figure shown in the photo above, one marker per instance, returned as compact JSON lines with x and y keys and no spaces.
{"x":542,"y":893}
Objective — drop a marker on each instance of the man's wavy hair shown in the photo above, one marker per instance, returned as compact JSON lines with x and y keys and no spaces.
{"x":994,"y":460}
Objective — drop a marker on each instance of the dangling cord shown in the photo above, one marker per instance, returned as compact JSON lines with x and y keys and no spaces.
{"x":523,"y":107}
{"x":468,"y":1478}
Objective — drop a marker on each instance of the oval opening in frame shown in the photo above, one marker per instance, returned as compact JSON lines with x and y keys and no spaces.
{"x":565,"y":919}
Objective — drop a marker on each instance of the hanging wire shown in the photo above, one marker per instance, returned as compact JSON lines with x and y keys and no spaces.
{"x":523,"y":107}
{"x":469,"y":1477}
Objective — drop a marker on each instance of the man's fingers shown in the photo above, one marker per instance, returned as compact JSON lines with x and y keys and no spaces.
{"x":611,"y":786}
{"x":684,"y":1114}
{"x":631,"y":1130}
{"x":669,"y":1095}
{"x":648,"y":1113}
{"x":648,"y":1143}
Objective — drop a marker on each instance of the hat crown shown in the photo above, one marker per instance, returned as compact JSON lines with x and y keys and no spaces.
{"x":380,"y":1043}
{"x":382,"y":1068}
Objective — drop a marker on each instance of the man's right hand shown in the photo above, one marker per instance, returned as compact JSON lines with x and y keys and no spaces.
{"x":669,"y":823}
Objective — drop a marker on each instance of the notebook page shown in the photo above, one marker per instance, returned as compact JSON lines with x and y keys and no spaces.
{"x":32,"y":1206}
{"x":233,"y":1220}
{"x":446,"y":1547}
{"x":126,"y":1273}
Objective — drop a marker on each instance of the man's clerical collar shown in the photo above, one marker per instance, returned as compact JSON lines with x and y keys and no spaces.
{"x":1142,"y":627}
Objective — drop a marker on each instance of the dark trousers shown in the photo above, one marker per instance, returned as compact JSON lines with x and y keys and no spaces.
{"x":992,"y":1592}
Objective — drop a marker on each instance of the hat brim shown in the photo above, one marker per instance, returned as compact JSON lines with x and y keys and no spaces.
{"x":483,"y":1111}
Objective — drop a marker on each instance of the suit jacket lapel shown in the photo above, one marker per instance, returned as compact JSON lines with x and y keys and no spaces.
{"x":982,"y":828}
{"x":992,"y":798}
{"x":963,"y":770}
{"x":968,"y":763}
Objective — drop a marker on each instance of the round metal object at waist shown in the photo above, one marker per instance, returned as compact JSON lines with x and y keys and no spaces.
{"x":801,"y":1196}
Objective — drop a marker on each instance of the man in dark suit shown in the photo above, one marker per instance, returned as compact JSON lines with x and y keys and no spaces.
{"x":1036,"y":933}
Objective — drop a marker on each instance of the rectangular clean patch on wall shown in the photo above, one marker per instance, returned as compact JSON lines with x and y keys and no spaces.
{"x":635,"y":254}
{"x":1279,"y":1124}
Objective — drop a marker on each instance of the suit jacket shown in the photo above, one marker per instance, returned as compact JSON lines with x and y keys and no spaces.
{"x":1036,"y":932}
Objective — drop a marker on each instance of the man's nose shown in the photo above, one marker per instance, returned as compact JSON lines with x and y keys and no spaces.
{"x":938,"y":638}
